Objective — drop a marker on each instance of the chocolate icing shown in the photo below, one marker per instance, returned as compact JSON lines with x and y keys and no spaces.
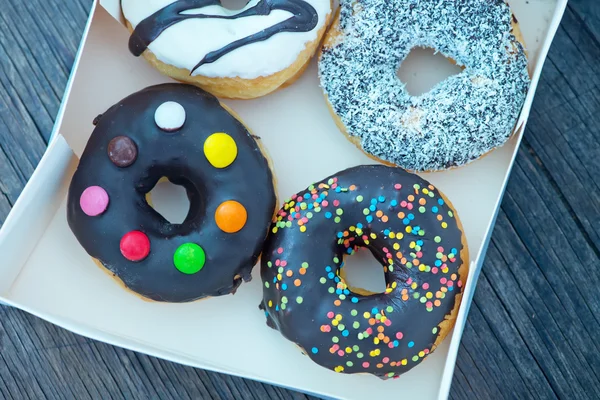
{"x":180,"y":158}
{"x":304,"y":18}
{"x":410,"y":229}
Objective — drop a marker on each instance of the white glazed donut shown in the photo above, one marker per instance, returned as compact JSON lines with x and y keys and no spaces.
{"x":232,"y":53}
{"x":456,"y":122}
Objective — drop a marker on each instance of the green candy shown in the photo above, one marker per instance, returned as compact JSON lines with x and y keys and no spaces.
{"x":189,"y":258}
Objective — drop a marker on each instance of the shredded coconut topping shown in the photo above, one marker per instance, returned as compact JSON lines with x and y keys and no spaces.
{"x":461,"y":118}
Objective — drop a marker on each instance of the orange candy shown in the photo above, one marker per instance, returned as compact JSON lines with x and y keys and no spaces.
{"x":231,"y":216}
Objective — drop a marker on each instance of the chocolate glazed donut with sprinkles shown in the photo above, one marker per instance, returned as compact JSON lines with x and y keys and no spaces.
{"x":181,"y":133}
{"x":409,"y":226}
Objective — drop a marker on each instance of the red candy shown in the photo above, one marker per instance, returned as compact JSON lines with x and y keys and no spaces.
{"x":135,"y":246}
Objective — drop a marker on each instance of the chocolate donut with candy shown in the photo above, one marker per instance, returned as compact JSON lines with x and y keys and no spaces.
{"x":184,"y":134}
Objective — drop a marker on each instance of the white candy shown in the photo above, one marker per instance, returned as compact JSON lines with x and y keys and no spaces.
{"x":170,"y":116}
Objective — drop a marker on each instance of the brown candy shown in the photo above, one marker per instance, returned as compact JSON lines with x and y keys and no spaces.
{"x":122,"y":151}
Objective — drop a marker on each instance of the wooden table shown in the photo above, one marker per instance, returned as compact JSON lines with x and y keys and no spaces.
{"x":532,"y":330}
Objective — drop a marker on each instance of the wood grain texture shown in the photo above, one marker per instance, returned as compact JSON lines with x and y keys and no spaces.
{"x":531,"y":331}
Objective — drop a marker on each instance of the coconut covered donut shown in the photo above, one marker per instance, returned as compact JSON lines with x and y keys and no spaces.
{"x":410,"y":228}
{"x":181,"y":133}
{"x":243,"y":53}
{"x":456,"y":122}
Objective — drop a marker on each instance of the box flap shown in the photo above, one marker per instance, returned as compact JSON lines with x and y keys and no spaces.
{"x":34,"y":210}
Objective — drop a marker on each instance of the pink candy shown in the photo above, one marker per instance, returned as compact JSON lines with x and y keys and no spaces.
{"x":94,"y":201}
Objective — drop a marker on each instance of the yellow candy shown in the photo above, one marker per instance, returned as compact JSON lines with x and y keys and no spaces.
{"x":220,"y":150}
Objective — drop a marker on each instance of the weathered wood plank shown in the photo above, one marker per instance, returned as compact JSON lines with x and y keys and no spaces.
{"x":460,"y":381}
{"x":12,"y":137}
{"x":11,"y":181}
{"x":5,"y":207}
{"x":478,"y":386}
{"x":565,"y":138}
{"x":502,"y":329}
{"x":478,"y":340}
{"x":588,"y":14}
{"x":21,"y":366}
{"x":116,"y":362}
{"x":31,"y":103}
{"x":28,"y":76}
{"x":535,"y":321}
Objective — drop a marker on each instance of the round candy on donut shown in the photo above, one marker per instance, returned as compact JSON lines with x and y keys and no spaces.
{"x":181,"y":133}
{"x":409,"y":226}
{"x":243,"y":54}
{"x":461,"y":118}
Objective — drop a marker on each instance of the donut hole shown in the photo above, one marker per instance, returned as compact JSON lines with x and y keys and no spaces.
{"x":424,"y":68}
{"x":234,"y":5}
{"x":169,"y":200}
{"x":363,"y":273}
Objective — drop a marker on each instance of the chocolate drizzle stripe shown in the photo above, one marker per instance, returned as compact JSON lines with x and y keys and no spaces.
{"x":304,"y":19}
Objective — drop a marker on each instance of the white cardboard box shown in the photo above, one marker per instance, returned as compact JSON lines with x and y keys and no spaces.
{"x":44,"y":271}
